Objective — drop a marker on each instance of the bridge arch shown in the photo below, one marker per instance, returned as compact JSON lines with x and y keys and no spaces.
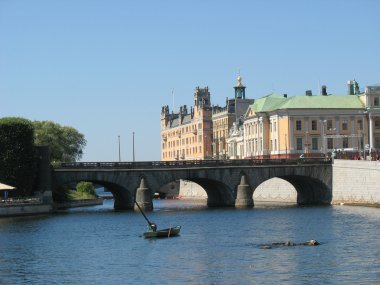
{"x":227,"y":183}
{"x":219,"y":193}
{"x":123,"y":193}
{"x":275,"y":190}
{"x":313,"y":185}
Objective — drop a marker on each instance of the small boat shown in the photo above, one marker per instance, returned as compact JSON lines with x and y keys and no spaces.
{"x":170,"y":232}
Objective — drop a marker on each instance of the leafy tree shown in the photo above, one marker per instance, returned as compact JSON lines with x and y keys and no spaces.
{"x":86,"y":188}
{"x":66,"y":143}
{"x":18,"y":161}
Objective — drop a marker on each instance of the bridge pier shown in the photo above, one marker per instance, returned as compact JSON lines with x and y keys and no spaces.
{"x":244,"y":195}
{"x":143,"y":197}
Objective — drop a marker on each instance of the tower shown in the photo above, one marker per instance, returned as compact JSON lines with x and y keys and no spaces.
{"x":201,"y":98}
{"x":239,"y":89}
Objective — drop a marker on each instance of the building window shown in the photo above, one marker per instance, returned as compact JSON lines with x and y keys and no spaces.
{"x":330,"y":143}
{"x":299,"y":143}
{"x":314,"y":125}
{"x":298,"y":125}
{"x":377,"y":141}
{"x":344,"y":125}
{"x":377,"y":123}
{"x":376,"y":101}
{"x":345,"y":142}
{"x":314,"y":143}
{"x":360,"y":124}
{"x":329,"y":124}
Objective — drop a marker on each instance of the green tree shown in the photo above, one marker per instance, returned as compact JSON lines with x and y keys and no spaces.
{"x":18,"y":161}
{"x":86,"y":188}
{"x":66,"y":143}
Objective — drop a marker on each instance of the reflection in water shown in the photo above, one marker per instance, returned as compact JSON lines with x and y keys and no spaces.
{"x":96,"y":245}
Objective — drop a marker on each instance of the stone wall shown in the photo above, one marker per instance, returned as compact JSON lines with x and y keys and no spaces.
{"x":275,"y":190}
{"x":191,"y":190}
{"x":356,"y":182}
{"x":25,"y":210}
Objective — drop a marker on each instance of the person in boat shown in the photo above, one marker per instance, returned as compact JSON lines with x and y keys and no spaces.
{"x":153,"y":226}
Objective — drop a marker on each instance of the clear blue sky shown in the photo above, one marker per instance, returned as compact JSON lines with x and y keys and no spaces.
{"x":106,"y":67}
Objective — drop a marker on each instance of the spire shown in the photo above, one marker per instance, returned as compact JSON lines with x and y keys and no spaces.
{"x":239,"y":88}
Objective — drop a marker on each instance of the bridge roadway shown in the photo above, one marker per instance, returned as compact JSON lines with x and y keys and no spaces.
{"x":226,"y":182}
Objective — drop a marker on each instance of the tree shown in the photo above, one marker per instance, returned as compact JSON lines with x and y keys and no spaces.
{"x":18,"y":162}
{"x":86,"y":188}
{"x":66,"y":143}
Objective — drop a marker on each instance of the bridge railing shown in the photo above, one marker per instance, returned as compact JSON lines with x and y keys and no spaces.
{"x":188,"y":163}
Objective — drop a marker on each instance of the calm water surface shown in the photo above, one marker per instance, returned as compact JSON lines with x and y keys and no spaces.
{"x":217,"y":246}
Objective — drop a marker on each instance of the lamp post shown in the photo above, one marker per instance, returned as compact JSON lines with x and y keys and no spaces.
{"x":119,"y":148}
{"x":133,"y":146}
{"x":205,"y":148}
{"x":323,"y":136}
{"x":286,"y":146}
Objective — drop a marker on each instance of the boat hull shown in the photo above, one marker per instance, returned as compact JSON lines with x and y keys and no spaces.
{"x":170,"y":232}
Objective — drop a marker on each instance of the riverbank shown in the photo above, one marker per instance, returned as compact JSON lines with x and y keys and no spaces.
{"x":78,"y":203}
{"x":27,"y":207}
{"x":34,"y":206}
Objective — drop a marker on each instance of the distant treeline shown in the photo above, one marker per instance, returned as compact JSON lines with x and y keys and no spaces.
{"x":18,"y":152}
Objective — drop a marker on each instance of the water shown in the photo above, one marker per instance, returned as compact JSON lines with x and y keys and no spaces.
{"x":217,"y":246}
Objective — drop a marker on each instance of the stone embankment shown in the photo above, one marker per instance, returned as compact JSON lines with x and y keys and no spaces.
{"x":356,"y":182}
{"x":24,"y":207}
{"x":78,"y":203}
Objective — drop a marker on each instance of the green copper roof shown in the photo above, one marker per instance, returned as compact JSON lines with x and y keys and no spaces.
{"x":268,"y":103}
{"x":273,"y":102}
{"x":323,"y":102}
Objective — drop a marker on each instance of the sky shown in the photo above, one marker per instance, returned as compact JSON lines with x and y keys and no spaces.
{"x":107,"y":67}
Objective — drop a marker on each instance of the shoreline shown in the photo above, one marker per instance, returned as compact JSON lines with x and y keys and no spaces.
{"x":33,"y":209}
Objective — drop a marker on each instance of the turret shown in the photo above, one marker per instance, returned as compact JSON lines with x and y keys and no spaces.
{"x":239,"y":89}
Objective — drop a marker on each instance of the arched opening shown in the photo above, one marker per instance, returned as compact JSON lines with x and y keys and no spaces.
{"x":201,"y":191}
{"x":170,"y":190}
{"x":120,"y":196}
{"x":275,"y":191}
{"x":303,"y":190}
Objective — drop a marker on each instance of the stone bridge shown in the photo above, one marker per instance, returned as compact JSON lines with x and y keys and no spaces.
{"x":226,"y":182}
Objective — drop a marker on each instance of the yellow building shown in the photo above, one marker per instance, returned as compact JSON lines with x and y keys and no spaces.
{"x":223,"y":119}
{"x":277,"y":126}
{"x":187,"y":135}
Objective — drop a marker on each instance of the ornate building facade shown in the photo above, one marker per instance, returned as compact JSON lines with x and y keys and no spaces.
{"x":223,"y":119}
{"x":187,"y":135}
{"x":274,"y":126}
{"x":280,"y":127}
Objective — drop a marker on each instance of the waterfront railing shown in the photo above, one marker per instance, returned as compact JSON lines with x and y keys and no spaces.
{"x":189,"y":163}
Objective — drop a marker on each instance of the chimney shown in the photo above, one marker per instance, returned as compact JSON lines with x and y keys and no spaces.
{"x":353,"y":87}
{"x":324,"y":90}
{"x":308,"y":93}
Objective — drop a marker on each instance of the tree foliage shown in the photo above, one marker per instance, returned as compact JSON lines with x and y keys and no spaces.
{"x":18,"y":162}
{"x":66,"y":143}
{"x":86,"y":188}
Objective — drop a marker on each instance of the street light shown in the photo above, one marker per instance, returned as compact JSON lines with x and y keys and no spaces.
{"x":323,"y":136}
{"x":286,"y":146}
{"x":133,"y":146}
{"x":119,"y":148}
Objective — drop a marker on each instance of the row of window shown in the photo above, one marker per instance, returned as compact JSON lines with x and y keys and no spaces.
{"x":328,"y":123}
{"x":177,"y":154}
{"x":302,"y":144}
{"x":184,"y":130}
